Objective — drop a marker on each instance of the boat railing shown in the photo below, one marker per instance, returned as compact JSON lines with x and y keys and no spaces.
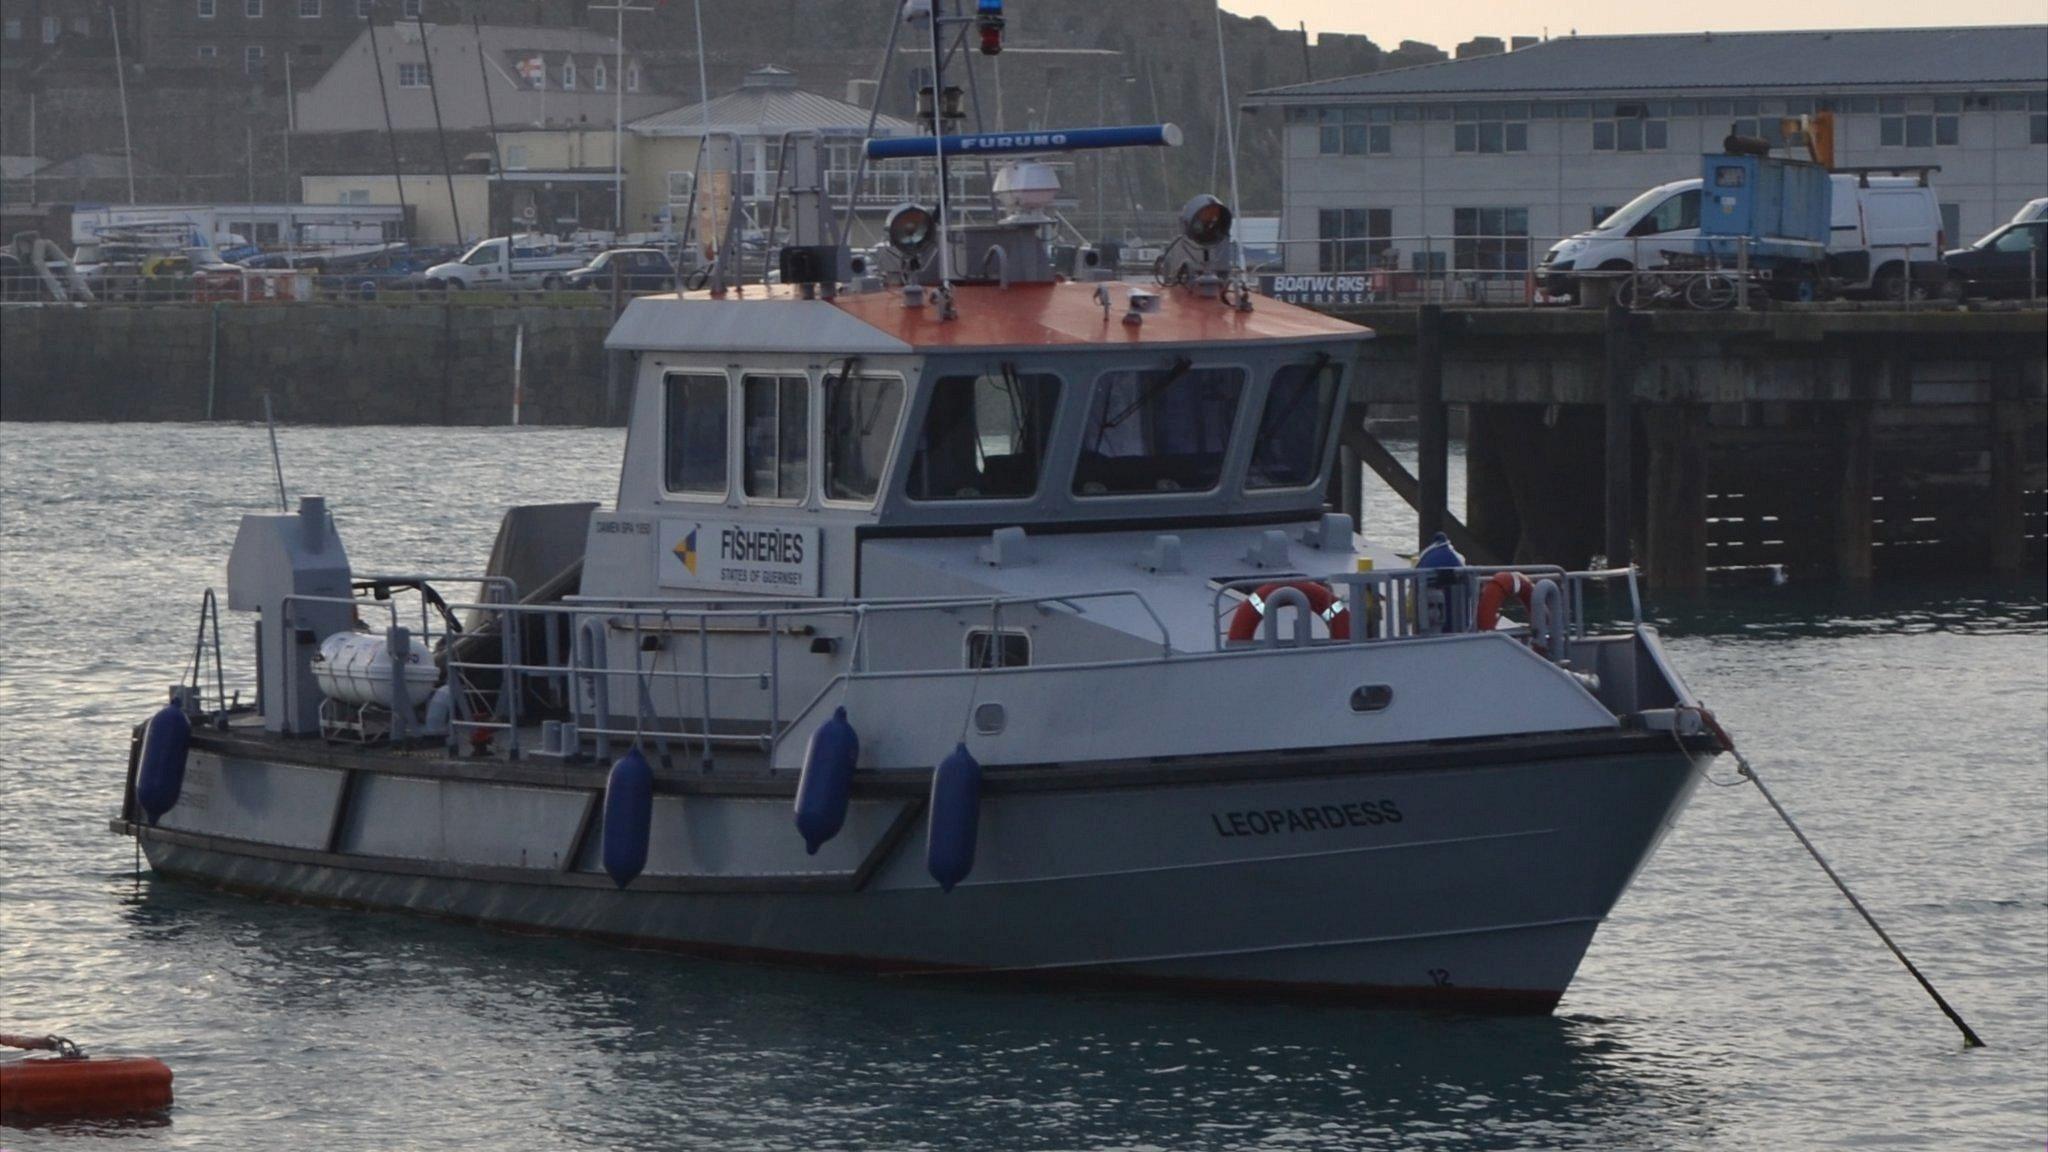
{"x":1403,"y":603}
{"x":489,"y":683}
{"x":503,"y":658}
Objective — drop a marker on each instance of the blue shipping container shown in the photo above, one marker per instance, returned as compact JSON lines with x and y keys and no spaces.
{"x":1783,"y":207}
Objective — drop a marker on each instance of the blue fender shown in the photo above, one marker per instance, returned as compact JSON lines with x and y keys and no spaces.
{"x":628,"y":816}
{"x":160,"y":771}
{"x":955,"y":818}
{"x":823,"y":789}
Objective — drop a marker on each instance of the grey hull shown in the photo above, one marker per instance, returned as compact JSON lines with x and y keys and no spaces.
{"x":1473,"y":883}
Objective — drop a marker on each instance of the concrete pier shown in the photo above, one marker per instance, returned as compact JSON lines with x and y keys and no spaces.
{"x":1841,"y":445}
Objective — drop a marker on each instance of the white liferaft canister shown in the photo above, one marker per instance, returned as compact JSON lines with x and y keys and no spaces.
{"x":356,"y":667}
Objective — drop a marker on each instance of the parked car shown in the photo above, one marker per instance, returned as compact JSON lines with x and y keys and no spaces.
{"x":2002,"y":263}
{"x":508,"y":262}
{"x":1880,"y":226}
{"x":640,"y":270}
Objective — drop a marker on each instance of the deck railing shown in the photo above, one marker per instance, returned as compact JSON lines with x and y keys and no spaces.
{"x":502,"y":658}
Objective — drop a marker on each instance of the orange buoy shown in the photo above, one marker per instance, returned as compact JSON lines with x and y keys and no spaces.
{"x":72,"y":1084}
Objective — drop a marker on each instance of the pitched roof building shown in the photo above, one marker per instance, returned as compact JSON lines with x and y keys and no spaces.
{"x":541,"y":77}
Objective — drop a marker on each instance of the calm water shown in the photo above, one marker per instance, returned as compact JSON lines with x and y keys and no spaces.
{"x":1733,"y":1001}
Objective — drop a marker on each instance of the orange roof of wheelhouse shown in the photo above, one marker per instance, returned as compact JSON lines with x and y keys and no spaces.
{"x":1067,"y":313}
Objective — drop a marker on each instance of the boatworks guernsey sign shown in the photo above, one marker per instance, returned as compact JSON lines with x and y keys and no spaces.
{"x":1347,"y":288}
{"x":764,"y":558}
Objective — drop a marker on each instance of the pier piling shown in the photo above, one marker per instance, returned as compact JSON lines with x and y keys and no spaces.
{"x":1432,"y":419}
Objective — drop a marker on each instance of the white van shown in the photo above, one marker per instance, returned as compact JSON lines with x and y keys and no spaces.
{"x":509,"y":262}
{"x":1879,"y":223}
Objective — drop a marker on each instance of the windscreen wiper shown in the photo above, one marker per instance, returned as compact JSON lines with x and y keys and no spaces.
{"x":1180,"y":368}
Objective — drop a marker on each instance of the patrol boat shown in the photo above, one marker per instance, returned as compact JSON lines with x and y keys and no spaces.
{"x":967,"y":616}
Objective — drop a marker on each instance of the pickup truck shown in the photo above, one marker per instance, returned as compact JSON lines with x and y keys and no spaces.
{"x":508,"y":262}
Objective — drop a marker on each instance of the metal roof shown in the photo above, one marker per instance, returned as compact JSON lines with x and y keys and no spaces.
{"x":1710,"y":61}
{"x":768,"y":103}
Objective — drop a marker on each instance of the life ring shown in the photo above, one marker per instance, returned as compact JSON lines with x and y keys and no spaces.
{"x":1244,"y":624}
{"x":1495,"y":592}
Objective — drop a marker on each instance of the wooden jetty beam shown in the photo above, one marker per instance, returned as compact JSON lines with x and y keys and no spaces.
{"x":1433,"y":432}
{"x":1375,"y":456}
{"x":1854,"y":508}
{"x":2005,"y":543}
{"x":1619,"y":375}
{"x":1675,"y":528}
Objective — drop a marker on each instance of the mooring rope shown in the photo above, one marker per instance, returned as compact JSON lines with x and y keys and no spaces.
{"x":1970,"y":1039}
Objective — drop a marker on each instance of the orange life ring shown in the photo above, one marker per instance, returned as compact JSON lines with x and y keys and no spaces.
{"x":1495,"y":592}
{"x":1245,"y":623}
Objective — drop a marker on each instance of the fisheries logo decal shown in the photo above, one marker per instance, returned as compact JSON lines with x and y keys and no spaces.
{"x":758,"y":557}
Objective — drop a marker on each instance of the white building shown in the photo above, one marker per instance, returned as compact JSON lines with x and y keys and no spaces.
{"x":1464,"y":159}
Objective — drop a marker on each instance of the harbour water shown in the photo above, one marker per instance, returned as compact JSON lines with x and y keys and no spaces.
{"x":1733,"y":1000}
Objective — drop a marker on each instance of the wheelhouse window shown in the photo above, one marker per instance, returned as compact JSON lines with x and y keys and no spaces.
{"x":777,"y":437}
{"x":985,"y":436}
{"x":1158,"y":430}
{"x":1288,"y":451}
{"x":861,"y":414}
{"x":694,"y":425}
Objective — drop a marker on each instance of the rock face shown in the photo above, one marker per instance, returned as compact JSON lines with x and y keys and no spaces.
{"x":215,"y":132}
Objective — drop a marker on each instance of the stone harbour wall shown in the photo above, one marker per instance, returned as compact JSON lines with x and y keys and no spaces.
{"x":369,"y":363}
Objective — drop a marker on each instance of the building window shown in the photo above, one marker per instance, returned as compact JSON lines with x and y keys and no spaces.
{"x":354,"y":196}
{"x":51,"y":27}
{"x":598,"y":77}
{"x":11,"y":28}
{"x":1918,"y":122}
{"x":568,"y":75}
{"x":309,"y":9}
{"x":1769,"y":129}
{"x":362,"y":9}
{"x":208,"y":52}
{"x":633,"y":77}
{"x":1353,"y":239}
{"x":1951,"y":223}
{"x":1491,"y":239}
{"x":1490,"y":128}
{"x":1601,"y":212}
{"x":1632,"y":128}
{"x":206,"y":9}
{"x":82,"y":25}
{"x":1356,"y":132}
{"x":253,"y":9}
{"x":2037,"y":129}
{"x":412,"y":75}
{"x":252,"y":60}
{"x":409,"y":9}
{"x":515,"y":155}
